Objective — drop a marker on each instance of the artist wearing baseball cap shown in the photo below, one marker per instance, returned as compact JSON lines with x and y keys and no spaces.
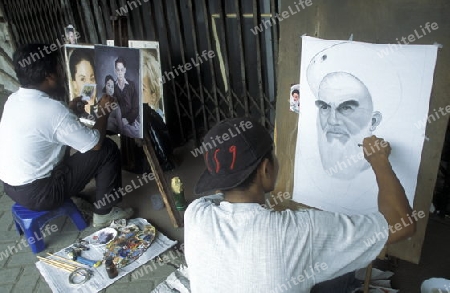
{"x":235,"y":160}
{"x":234,"y":243}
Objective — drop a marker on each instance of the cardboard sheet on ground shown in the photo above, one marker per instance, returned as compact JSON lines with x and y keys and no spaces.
{"x":351,"y":90}
{"x":58,"y":279}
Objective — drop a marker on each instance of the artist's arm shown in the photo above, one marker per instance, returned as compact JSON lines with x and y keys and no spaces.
{"x":392,"y":201}
{"x":104,"y":109}
{"x":77,"y":106}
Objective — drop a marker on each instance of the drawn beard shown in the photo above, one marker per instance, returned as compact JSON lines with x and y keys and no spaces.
{"x":340,"y":154}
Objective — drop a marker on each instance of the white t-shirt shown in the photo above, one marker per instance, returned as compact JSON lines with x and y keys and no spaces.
{"x":247,"y":248}
{"x":34,"y":131}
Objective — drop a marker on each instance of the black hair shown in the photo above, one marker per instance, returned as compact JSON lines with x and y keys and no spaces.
{"x":120,"y":60}
{"x":33,"y":64}
{"x":295,"y":92}
{"x":107,"y":78}
{"x":245,"y":185}
{"x":77,"y":56}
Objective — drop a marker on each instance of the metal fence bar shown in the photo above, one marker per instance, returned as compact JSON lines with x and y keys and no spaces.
{"x":223,"y":40}
{"x":169,"y":60}
{"x":106,"y":14}
{"x":240,"y":40}
{"x":101,"y":26}
{"x":258,"y":63}
{"x":197,"y":67}
{"x":181,"y":41}
{"x":206,"y":19}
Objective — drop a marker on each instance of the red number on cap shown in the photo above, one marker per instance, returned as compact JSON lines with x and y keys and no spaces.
{"x":217,"y":161}
{"x":232,"y":149}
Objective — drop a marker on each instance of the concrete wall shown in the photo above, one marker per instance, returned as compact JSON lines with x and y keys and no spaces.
{"x":373,"y":21}
{"x":8,"y":80}
{"x":7,"y":75}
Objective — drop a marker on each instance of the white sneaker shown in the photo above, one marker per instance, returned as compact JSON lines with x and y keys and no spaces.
{"x":101,"y":221}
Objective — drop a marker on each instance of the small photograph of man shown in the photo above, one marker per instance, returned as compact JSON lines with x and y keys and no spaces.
{"x":294,"y":98}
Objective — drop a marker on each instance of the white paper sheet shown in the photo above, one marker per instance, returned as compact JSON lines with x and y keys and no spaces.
{"x":392,"y":89}
{"x":58,"y":279}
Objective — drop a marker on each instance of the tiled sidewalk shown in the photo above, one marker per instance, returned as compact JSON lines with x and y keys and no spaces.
{"x":18,"y":272}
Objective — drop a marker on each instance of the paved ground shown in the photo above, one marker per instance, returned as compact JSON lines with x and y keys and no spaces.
{"x":18,"y":272}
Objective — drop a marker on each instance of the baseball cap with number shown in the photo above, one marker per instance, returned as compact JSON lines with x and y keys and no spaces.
{"x":232,"y":150}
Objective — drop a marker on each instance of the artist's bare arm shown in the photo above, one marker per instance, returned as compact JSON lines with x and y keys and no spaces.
{"x":104,"y":109}
{"x":392,"y":201}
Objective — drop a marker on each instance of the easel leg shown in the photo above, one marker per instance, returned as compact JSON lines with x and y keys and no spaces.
{"x":166,"y":192}
{"x":367,"y":279}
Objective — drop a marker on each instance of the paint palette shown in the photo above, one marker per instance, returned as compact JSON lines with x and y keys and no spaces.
{"x":130,"y":243}
{"x":102,"y":237}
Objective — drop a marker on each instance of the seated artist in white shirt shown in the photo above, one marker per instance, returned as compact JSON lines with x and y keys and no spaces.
{"x":35,"y":131}
{"x":234,"y":244}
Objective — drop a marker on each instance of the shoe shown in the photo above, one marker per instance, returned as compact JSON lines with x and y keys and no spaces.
{"x":101,"y":221}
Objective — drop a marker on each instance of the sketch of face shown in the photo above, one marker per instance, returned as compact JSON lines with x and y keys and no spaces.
{"x":109,"y":87}
{"x":149,"y":91}
{"x":151,"y":81}
{"x":120,"y":72}
{"x":344,"y":120}
{"x":84,"y":73}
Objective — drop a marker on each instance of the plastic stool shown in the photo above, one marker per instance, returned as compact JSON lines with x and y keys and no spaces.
{"x":31,"y":222}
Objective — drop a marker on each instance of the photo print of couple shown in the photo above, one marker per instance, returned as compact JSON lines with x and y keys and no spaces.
{"x":131,"y":76}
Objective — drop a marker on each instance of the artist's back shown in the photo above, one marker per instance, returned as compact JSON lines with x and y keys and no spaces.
{"x":247,"y":248}
{"x":34,"y":131}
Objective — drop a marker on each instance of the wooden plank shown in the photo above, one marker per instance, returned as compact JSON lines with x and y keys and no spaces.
{"x":166,"y":191}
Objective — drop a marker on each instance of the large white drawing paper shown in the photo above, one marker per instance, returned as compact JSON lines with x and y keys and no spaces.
{"x":348,"y":91}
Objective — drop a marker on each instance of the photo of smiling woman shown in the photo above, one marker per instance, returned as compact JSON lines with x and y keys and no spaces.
{"x":80,"y":71}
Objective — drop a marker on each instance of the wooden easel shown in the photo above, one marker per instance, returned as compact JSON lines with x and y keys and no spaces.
{"x":120,"y":30}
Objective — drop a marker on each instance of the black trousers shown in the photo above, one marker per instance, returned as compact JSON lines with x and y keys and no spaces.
{"x":344,"y":284}
{"x":70,"y":177}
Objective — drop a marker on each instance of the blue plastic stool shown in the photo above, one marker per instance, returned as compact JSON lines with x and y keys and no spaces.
{"x":31,"y":222}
